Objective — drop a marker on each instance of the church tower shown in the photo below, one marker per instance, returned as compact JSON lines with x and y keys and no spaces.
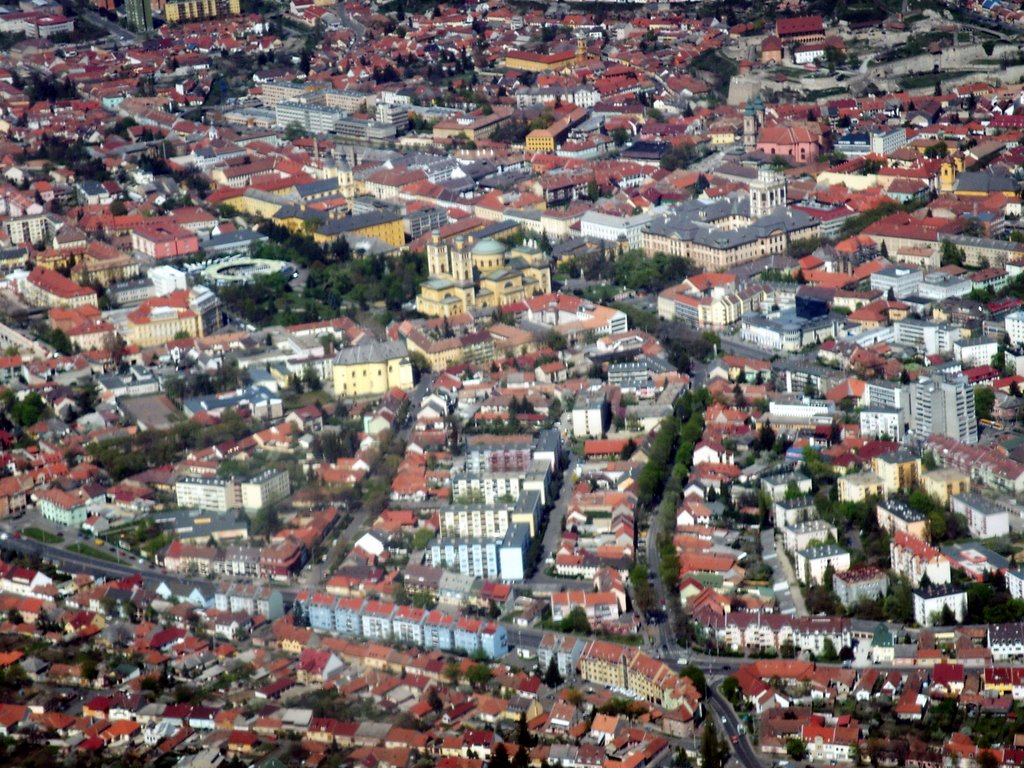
{"x":749,"y":126}
{"x":767,"y":192}
{"x":581,"y":49}
{"x":461,"y":256}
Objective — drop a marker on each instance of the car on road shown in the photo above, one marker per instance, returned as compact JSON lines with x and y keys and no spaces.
{"x":735,"y":738}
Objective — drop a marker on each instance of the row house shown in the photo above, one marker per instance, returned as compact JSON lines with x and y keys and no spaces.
{"x":249,"y":598}
{"x":771,"y":631}
{"x":375,"y":620}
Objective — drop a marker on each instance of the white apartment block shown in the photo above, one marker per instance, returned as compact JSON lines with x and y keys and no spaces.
{"x":803,"y":535}
{"x":929,"y":603}
{"x":812,"y":563}
{"x":877,"y":422}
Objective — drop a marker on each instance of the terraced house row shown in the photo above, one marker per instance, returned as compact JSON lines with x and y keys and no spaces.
{"x":378,"y":621}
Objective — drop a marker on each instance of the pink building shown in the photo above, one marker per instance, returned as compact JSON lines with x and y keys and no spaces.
{"x":798,"y":142}
{"x":164,"y":241}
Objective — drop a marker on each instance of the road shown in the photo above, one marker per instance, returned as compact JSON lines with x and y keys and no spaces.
{"x":359,"y":515}
{"x":731,"y":727}
{"x":553,"y":536}
{"x":789,"y":598}
{"x":119,"y":33}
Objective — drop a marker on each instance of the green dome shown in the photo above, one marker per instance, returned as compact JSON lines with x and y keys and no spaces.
{"x":488,"y":247}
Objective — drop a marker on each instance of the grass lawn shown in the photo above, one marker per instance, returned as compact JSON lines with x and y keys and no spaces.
{"x":40,"y":535}
{"x":99,"y":554}
{"x":929,"y":79}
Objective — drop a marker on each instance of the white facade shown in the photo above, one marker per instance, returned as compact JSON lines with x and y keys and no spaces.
{"x":590,"y":417}
{"x":902,"y":281}
{"x":881,"y":422}
{"x":1015,"y":326}
{"x":985,"y":519}
{"x":1015,"y":583}
{"x":807,"y":409}
{"x":971,"y":353}
{"x":167,"y":280}
{"x":930,"y":602}
{"x":603,"y":226}
{"x":803,"y":535}
{"x":812,"y":563}
{"x":887,"y":142}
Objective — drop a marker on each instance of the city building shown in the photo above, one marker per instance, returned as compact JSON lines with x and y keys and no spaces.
{"x":894,"y":515}
{"x":807,"y":534}
{"x":47,"y":288}
{"x":182,"y":314}
{"x":860,"y":486}
{"x":467,"y":273}
{"x":943,"y":405}
{"x":864,"y":583}
{"x":723,"y":233}
{"x":917,"y":559}
{"x":217,"y":494}
{"x":944,"y":483}
{"x":591,"y":415}
{"x":61,"y":508}
{"x":881,"y":423}
{"x":986,"y":518}
{"x":931,"y":604}
{"x":140,"y":15}
{"x":813,"y":563}
{"x":372,"y":369}
{"x":179,"y":11}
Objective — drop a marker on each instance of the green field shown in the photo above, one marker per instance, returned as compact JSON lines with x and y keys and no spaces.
{"x":40,"y":535}
{"x":928,"y":80}
{"x":99,"y":554}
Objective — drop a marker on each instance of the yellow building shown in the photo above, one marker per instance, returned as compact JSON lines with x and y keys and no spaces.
{"x":548,"y":139}
{"x":944,"y":483}
{"x":540,"y":140}
{"x":899,"y":471}
{"x":560,"y":61}
{"x":860,"y":486}
{"x":894,"y":515}
{"x":951,"y":167}
{"x":195,"y":10}
{"x":604,"y":663}
{"x":474,"y":274}
{"x":471,"y":127}
{"x":382,"y":225}
{"x":724,"y":133}
{"x":189,"y":314}
{"x":258,"y":203}
{"x":372,"y":369}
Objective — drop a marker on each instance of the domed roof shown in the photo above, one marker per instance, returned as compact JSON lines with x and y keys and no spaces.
{"x":488,"y":247}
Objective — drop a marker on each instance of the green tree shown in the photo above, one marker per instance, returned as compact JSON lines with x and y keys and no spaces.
{"x":951,"y":254}
{"x":478,"y":676}
{"x":556,"y":341}
{"x":524,"y":738}
{"x":713,"y":752}
{"x":576,"y":621}
{"x":28,"y":410}
{"x":796,"y":748}
{"x":731,"y":690}
{"x":696,"y":677}
{"x":499,"y":757}
{"x":643,"y":592}
{"x":593,"y":192}
{"x":984,"y":401}
{"x":828,"y":655}
{"x":552,"y":677}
